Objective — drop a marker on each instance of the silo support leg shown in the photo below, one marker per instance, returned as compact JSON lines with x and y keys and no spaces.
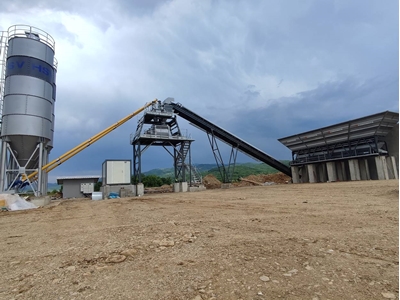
{"x":45,"y":177}
{"x":3,"y":164}
{"x":40,"y":172}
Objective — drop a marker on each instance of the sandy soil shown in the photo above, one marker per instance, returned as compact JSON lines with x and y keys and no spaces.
{"x":306,"y":241}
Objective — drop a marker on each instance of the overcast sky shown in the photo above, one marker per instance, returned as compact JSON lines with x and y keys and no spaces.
{"x":260,"y":69}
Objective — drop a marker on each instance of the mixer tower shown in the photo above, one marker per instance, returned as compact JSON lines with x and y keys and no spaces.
{"x":159,"y":127}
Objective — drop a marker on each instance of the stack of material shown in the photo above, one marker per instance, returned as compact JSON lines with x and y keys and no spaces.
{"x":210,"y":182}
{"x":261,"y":179}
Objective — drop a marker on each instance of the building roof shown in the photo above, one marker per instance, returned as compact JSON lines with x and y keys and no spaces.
{"x":379,"y":124}
{"x":60,"y":180}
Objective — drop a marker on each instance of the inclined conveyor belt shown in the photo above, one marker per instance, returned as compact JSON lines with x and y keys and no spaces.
{"x":229,"y":138}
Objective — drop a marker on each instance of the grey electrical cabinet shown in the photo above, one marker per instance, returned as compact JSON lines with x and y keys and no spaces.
{"x":116,"y":172}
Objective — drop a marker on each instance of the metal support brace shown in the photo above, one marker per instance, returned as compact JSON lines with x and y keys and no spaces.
{"x":226,"y":172}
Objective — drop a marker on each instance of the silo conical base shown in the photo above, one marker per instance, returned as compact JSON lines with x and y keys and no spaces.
{"x":14,"y":173}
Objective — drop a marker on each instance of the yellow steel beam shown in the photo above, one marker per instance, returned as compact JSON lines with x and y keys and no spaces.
{"x":67,"y":155}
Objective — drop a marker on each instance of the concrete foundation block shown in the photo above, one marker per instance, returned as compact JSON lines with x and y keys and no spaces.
{"x":123,"y":190}
{"x":226,"y":186}
{"x":312,"y":173}
{"x":139,"y":189}
{"x":176,"y":187}
{"x":199,"y":188}
{"x":331,"y":170}
{"x":183,"y":187}
{"x":41,"y":201}
{"x":133,"y":190}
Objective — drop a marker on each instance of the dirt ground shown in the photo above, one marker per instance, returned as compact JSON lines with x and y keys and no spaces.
{"x":284,"y":241}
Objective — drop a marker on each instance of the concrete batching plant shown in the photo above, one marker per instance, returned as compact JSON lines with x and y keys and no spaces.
{"x":28,"y":94}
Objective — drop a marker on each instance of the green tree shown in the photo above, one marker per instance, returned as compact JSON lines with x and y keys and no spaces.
{"x":152,"y":180}
{"x":97,"y":186}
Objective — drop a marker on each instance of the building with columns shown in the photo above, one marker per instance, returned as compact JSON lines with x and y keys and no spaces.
{"x":361,"y":149}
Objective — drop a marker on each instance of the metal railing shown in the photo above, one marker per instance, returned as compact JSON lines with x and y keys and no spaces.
{"x":33,"y":33}
{"x":3,"y":56}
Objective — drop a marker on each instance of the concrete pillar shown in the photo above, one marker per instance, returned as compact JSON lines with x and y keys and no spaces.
{"x":384,"y":172}
{"x":392,"y":142}
{"x":392,"y":168}
{"x":364,"y":169}
{"x":380,"y":174}
{"x":295,"y":174}
{"x":354,"y":169}
{"x":176,"y":187}
{"x":183,"y":187}
{"x":321,"y":172}
{"x":331,"y":170}
{"x":312,"y":173}
{"x":139,"y":189}
{"x":395,"y":167}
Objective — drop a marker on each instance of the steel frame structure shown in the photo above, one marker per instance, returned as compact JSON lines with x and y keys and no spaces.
{"x":355,"y":138}
{"x":215,"y":132}
{"x":180,"y":151}
{"x":226,"y":171}
{"x":162,"y":115}
{"x":344,"y":150}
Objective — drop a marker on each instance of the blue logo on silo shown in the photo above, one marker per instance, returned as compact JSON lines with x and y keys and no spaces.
{"x":23,"y":65}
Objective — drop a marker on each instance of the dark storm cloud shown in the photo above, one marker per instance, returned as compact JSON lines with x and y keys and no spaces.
{"x":260,"y":69}
{"x":328,"y":104}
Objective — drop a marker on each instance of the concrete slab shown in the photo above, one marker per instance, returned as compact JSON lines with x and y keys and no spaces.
{"x":199,"y":188}
{"x":41,"y":201}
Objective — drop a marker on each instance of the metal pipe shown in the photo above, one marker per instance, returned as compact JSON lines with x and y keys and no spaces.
{"x":55,"y":163}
